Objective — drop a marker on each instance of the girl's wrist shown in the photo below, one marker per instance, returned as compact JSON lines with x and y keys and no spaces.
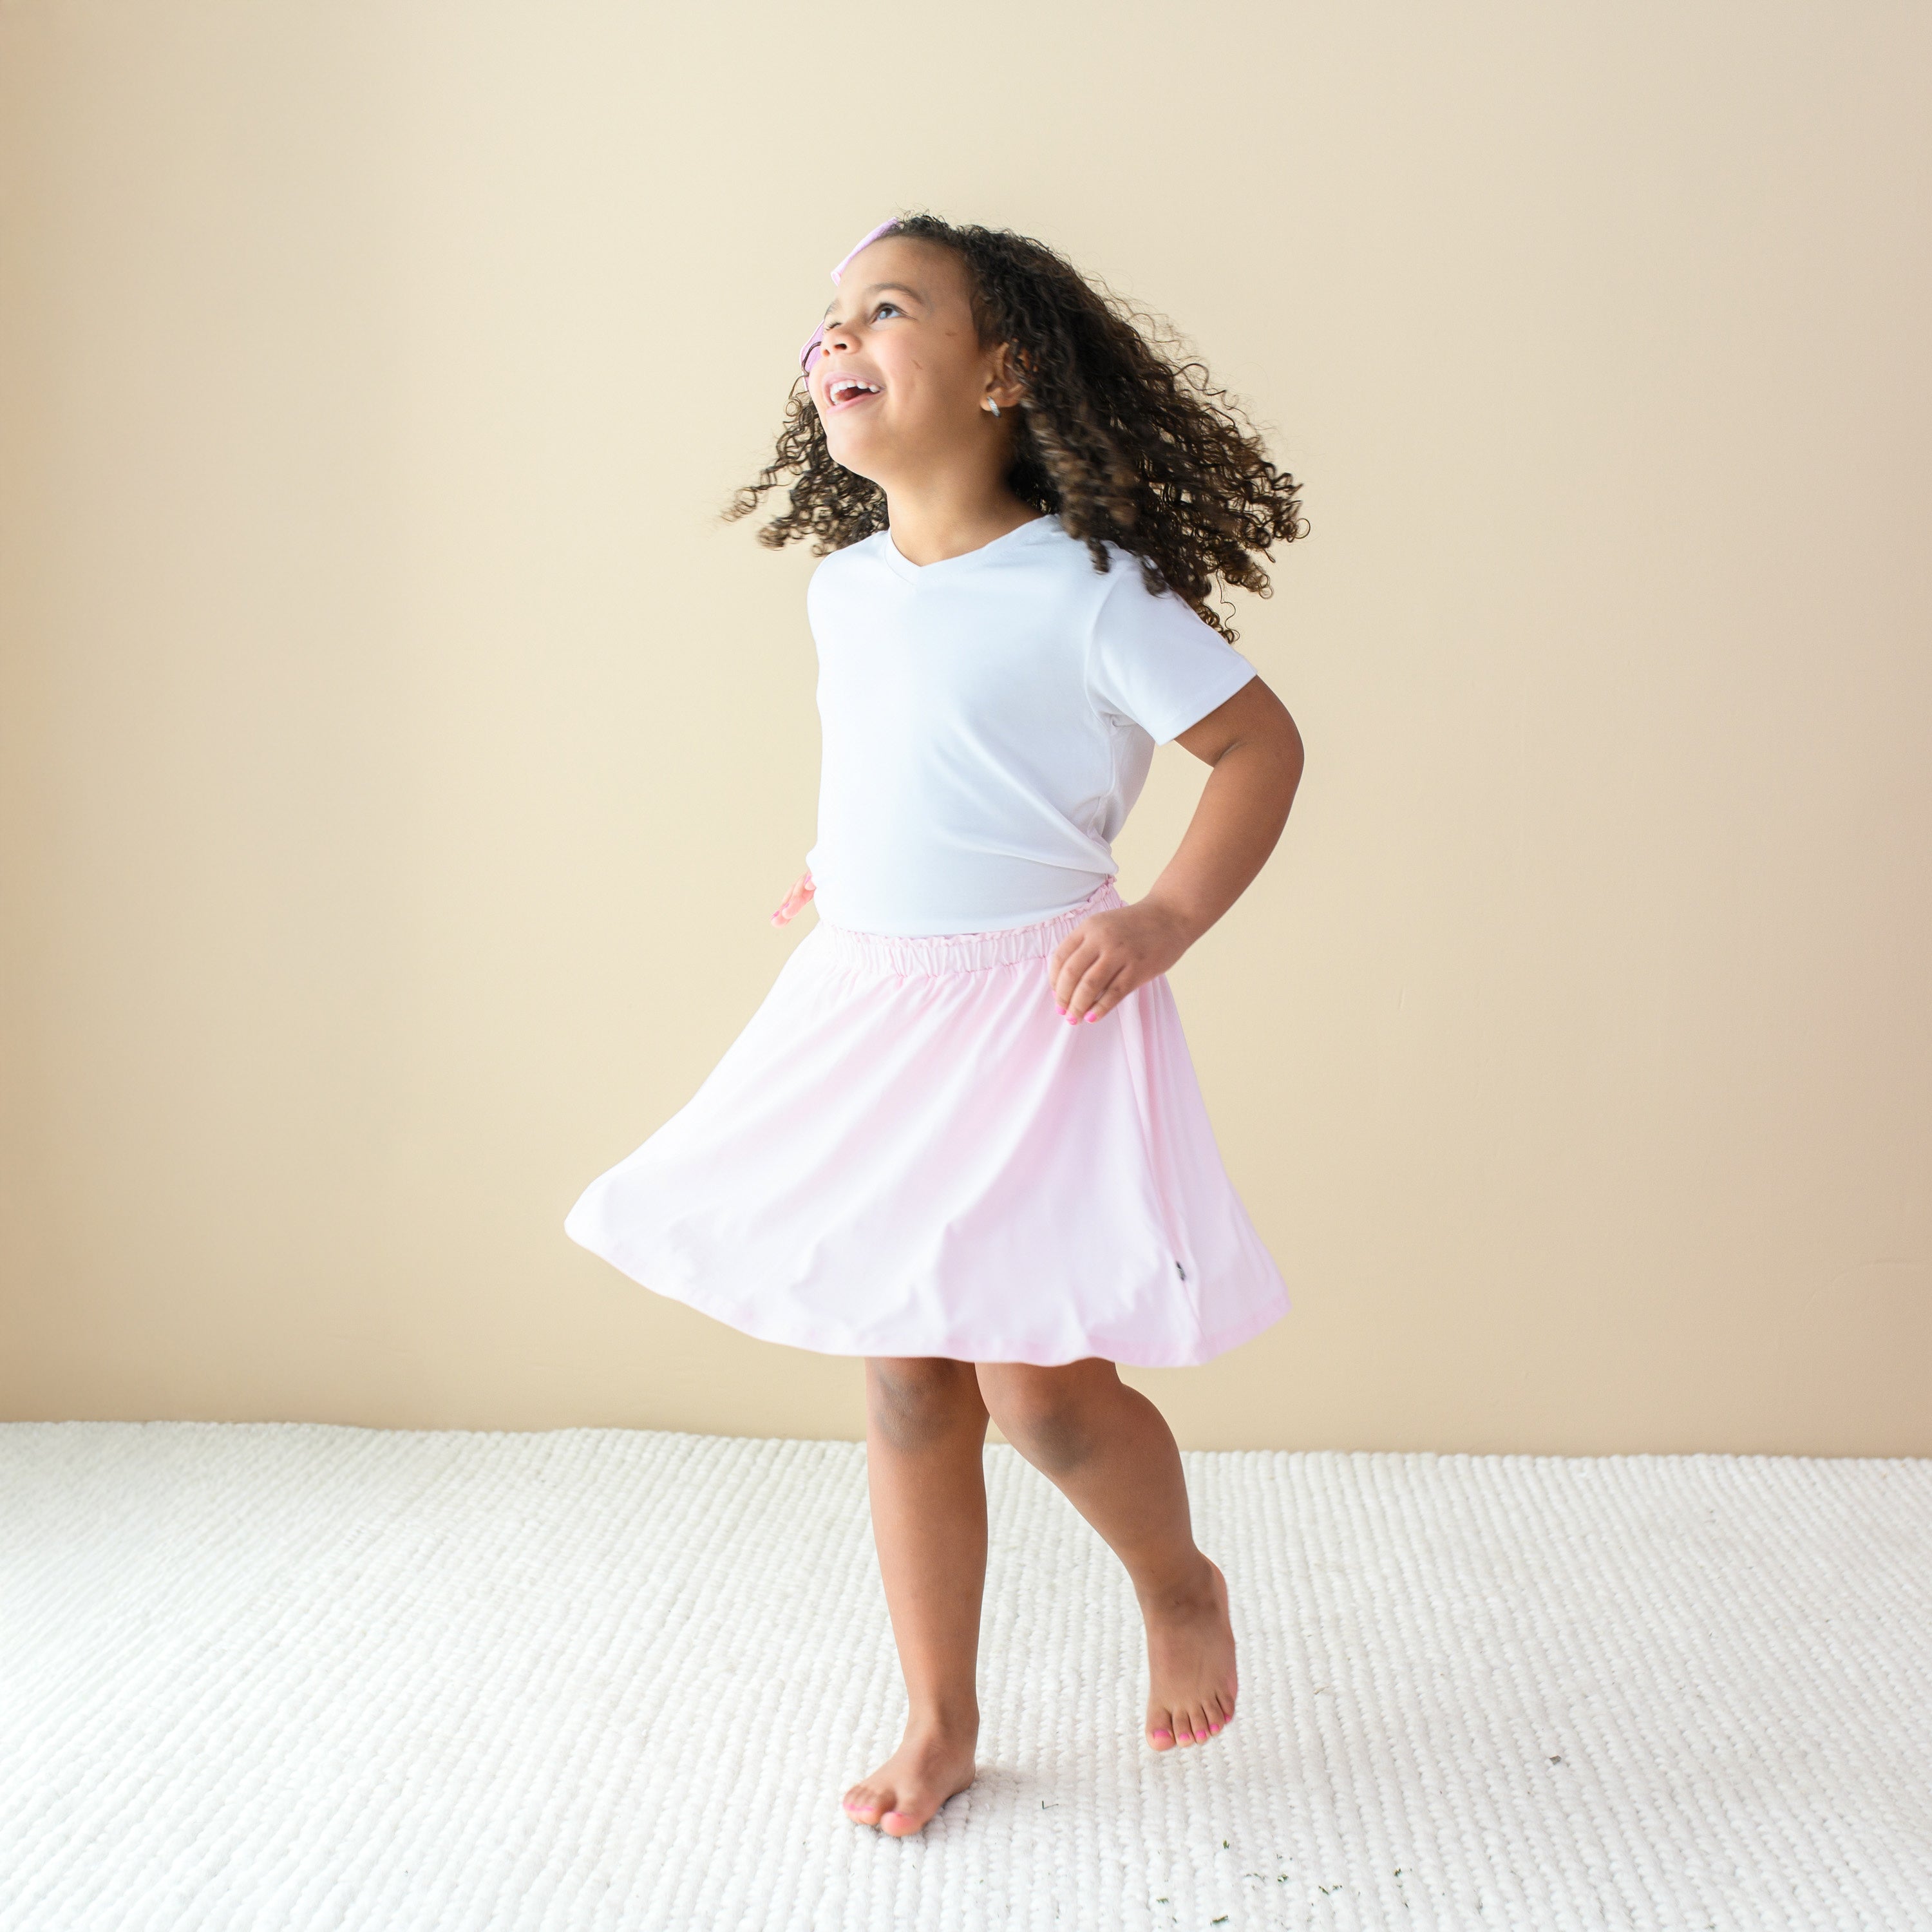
{"x":1175,"y":916}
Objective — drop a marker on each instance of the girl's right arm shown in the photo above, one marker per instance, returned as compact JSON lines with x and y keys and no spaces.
{"x":795,"y":898}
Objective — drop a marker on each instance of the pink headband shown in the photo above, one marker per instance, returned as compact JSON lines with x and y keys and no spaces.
{"x":809,"y":354}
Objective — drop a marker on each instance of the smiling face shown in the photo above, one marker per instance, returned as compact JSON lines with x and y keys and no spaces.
{"x":901,"y":382}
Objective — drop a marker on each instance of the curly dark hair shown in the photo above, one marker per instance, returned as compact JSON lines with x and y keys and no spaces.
{"x":1118,"y":431}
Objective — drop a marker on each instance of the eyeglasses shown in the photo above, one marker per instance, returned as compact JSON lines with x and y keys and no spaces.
{"x":815,"y":347}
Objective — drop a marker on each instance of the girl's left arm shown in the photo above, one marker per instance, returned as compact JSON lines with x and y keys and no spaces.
{"x":1256,"y":753}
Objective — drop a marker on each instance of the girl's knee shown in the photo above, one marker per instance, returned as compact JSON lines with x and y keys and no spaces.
{"x":912,"y":1399}
{"x":1050,"y":1415}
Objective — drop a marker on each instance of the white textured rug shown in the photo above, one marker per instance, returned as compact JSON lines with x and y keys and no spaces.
{"x":287,"y":1675}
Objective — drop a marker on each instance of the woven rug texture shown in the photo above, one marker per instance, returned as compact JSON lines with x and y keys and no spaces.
{"x":304,"y":1676}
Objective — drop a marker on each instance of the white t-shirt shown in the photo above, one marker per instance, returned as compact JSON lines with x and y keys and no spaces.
{"x":988,"y":721}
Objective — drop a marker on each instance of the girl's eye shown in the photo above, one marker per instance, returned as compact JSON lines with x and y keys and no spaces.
{"x":893,"y":305}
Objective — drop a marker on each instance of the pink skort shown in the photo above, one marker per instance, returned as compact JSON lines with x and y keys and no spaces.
{"x":907,"y":1151}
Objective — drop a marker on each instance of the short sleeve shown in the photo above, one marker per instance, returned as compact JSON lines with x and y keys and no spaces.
{"x":1152,"y":660}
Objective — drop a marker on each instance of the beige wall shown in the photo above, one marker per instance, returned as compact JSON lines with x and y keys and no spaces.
{"x":400,"y":761}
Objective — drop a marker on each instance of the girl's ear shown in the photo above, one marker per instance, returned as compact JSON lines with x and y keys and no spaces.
{"x":1009,"y":366}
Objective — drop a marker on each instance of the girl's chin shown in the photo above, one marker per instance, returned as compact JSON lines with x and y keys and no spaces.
{"x":864,"y":455}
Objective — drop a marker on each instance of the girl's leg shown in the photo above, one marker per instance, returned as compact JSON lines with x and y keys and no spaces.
{"x":925,"y":1437}
{"x":1111,"y":1451}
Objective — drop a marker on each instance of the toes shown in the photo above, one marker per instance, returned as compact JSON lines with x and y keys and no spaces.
{"x":1191,"y":1724}
{"x":864,"y":1803}
{"x":877,"y":1804}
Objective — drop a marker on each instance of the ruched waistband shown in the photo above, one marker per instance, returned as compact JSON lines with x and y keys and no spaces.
{"x":960,"y":951}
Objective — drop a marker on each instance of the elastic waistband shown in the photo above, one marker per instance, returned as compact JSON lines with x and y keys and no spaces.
{"x":960,"y":951}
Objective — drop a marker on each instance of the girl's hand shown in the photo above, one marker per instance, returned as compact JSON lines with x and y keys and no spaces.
{"x":1109,"y":953}
{"x":795,"y":897}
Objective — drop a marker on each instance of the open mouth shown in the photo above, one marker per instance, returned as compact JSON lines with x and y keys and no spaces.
{"x":843,"y":391}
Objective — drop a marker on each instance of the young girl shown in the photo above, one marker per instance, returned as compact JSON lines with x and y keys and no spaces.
{"x":962,"y":1135}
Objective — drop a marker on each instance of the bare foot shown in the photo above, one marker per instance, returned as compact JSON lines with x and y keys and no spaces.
{"x":929,"y":1766}
{"x":1190,"y":1662}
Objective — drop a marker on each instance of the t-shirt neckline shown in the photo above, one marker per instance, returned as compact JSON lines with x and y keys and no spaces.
{"x":903,"y":566}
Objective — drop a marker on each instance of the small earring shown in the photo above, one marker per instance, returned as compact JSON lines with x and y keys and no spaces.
{"x":993,"y":406}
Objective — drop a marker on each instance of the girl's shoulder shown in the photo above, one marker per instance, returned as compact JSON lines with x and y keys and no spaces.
{"x":846,"y":555}
{"x":1043,"y":549}
{"x":850,"y":564}
{"x":1075,"y":554}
